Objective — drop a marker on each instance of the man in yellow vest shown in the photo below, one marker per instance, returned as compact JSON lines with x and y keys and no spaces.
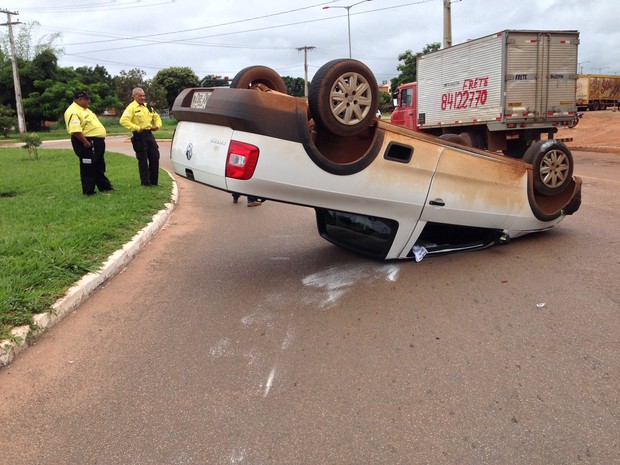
{"x":141,"y":119}
{"x":88,"y":142}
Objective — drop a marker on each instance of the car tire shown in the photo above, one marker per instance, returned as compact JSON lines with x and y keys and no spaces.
{"x":344,"y":97}
{"x":253,"y":75}
{"x":553,"y":166}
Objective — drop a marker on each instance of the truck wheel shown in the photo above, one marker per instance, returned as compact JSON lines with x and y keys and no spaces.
{"x":515,"y":148}
{"x":344,"y":97}
{"x":455,"y":138}
{"x":575,"y":122}
{"x":553,"y":166}
{"x":473,"y":139}
{"x":253,"y":75}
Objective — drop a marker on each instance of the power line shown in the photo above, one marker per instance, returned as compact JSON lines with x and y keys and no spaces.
{"x":157,"y":39}
{"x":149,"y":37}
{"x":92,"y":7}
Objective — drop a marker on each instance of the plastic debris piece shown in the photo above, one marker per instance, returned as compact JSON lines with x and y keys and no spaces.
{"x":419,"y":252}
{"x":540,"y":305}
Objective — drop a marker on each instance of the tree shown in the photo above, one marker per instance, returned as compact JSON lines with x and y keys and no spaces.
{"x":44,"y":66}
{"x":25,"y":47}
{"x":35,"y":62}
{"x":51,"y":98}
{"x":409,"y":68}
{"x":8,"y":121}
{"x":7,"y":88}
{"x":156,"y":93}
{"x":212,"y":80}
{"x":174,"y":80}
{"x":98,"y":74}
{"x":386,"y":102}
{"x":126,"y":81}
{"x":294,"y":86}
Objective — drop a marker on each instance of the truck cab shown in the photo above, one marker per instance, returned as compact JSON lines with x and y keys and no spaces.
{"x":406,"y":106}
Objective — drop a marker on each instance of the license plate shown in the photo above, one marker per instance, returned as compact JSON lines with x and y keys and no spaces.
{"x":199,"y":99}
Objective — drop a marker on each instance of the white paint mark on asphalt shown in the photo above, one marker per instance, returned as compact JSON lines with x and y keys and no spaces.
{"x":253,"y":355}
{"x":338,"y":280}
{"x":219,"y":349}
{"x":237,"y":456}
{"x":259,"y":317}
{"x":269,"y":382}
{"x":391,"y":272}
{"x":288,"y":339}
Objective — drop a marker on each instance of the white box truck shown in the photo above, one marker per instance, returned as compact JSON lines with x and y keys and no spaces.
{"x":499,"y":92}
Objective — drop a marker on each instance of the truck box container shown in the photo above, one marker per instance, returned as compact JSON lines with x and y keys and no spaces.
{"x":597,"y":91}
{"x":512,"y":79}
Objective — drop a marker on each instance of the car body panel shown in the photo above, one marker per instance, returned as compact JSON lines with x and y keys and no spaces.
{"x":204,"y":156}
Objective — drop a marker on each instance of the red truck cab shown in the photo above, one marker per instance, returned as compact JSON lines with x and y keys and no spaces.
{"x":406,"y":105}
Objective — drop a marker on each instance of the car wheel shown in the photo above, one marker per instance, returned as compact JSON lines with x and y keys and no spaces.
{"x":253,"y":75}
{"x":553,"y":166}
{"x":344,"y":97}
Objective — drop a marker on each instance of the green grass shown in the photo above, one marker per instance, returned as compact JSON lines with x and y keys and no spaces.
{"x":51,"y":234}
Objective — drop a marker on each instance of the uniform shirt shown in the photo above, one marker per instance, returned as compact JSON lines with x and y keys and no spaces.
{"x":83,"y":120}
{"x":138,"y":116}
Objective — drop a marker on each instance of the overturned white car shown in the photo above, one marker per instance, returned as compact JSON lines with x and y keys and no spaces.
{"x":378,"y":189}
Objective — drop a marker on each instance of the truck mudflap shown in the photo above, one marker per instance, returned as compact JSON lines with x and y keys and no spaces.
{"x":550,"y":208}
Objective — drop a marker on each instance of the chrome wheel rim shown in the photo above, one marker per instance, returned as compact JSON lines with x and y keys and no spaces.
{"x":350,"y":99}
{"x":554,"y":168}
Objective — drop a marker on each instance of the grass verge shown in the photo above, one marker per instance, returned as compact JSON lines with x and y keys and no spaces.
{"x":51,"y":235}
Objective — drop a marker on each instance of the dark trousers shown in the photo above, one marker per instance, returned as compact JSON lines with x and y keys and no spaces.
{"x":92,"y":165}
{"x":147,"y":153}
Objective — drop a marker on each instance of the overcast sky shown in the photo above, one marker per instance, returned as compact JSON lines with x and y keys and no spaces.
{"x":223,"y":36}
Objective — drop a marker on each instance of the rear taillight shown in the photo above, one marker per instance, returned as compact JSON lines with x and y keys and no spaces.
{"x":241,"y":160}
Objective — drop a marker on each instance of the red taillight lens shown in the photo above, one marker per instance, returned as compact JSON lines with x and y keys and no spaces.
{"x":241,"y":160}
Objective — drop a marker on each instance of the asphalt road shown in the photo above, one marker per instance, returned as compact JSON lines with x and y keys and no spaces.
{"x":239,"y":336}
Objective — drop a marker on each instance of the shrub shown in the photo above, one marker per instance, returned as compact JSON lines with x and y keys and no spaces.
{"x":32,"y":140}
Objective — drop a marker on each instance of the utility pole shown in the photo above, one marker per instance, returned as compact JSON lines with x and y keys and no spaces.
{"x":447,"y":24}
{"x":18,"y":90}
{"x":305,"y":49}
{"x":581,"y":64}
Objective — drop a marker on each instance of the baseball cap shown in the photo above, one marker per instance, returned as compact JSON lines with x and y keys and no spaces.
{"x":80,"y":94}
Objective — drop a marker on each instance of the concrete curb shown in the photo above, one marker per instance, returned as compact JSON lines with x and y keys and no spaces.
{"x":595,"y":148}
{"x":80,"y":291}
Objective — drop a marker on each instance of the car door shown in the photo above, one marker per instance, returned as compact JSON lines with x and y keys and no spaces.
{"x":474,"y":189}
